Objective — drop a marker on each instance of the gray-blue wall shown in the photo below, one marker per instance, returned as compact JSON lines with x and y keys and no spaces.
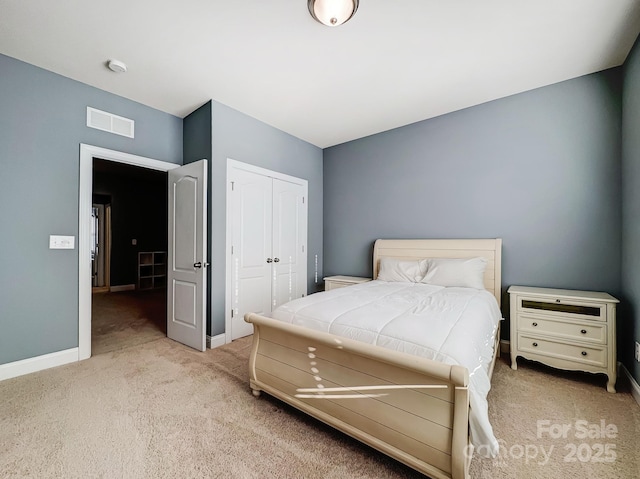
{"x":240,"y":137}
{"x":196,"y":134}
{"x":540,"y":169}
{"x":243,"y":138}
{"x":196,"y":131}
{"x":629,"y":324}
{"x":42,"y":123}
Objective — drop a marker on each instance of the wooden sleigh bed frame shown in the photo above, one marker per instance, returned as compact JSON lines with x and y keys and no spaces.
{"x":413,"y":409}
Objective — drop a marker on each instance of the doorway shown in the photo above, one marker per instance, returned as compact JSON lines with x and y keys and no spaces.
{"x":101,"y":243}
{"x":129,"y":241}
{"x":87,"y":154}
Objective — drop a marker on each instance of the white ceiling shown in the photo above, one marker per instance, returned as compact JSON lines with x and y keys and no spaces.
{"x":396,"y":62}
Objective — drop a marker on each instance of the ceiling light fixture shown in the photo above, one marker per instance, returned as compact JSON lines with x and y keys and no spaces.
{"x":332,"y":12}
{"x":117,"y":66}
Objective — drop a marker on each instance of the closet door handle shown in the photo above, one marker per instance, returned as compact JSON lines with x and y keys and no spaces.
{"x":269,"y":260}
{"x":197,"y":265}
{"x":276,"y":260}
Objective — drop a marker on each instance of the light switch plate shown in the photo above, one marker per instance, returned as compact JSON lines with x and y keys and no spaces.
{"x":62,"y":242}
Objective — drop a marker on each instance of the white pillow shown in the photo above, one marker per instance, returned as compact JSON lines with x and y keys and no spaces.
{"x":465,"y":272}
{"x":394,"y":269}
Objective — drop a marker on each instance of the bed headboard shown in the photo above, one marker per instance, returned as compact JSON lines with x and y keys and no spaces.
{"x":491,"y":249}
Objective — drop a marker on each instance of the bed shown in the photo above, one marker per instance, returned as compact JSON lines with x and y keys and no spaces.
{"x":414,"y":409}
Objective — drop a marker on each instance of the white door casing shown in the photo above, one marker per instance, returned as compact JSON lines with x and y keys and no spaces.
{"x":85,"y":200}
{"x":266,"y":239}
{"x":186,"y":255}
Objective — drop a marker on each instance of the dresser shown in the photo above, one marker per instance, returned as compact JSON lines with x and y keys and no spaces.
{"x":565,"y":329}
{"x":335,"y":282}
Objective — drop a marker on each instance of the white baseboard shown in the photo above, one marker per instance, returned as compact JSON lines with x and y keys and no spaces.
{"x":505,"y":346}
{"x":123,"y":287}
{"x":216,"y":341}
{"x":635,"y":387}
{"x":38,"y":363}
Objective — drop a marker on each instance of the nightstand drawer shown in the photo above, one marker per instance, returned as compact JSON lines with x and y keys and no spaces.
{"x":584,"y":354}
{"x":561,"y":307}
{"x":594,"y":332}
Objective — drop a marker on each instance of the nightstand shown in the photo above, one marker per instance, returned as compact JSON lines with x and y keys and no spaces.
{"x":565,"y":329}
{"x":335,"y":282}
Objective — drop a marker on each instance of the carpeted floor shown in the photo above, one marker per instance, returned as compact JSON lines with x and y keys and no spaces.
{"x":127,"y":318}
{"x":162,"y":410}
{"x":547,"y":422}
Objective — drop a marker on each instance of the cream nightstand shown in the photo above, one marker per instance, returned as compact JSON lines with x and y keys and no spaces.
{"x":335,"y":282}
{"x":574,"y":330}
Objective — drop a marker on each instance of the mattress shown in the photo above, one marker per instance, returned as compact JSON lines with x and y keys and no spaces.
{"x":451,"y":325}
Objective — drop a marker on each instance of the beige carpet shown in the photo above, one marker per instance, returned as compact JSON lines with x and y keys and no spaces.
{"x":520,"y":399}
{"x":127,"y":318}
{"x":161,"y":410}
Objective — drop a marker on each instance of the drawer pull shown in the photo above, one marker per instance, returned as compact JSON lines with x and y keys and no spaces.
{"x":584,"y":353}
{"x":583,"y":331}
{"x":534,"y":324}
{"x":535,"y":345}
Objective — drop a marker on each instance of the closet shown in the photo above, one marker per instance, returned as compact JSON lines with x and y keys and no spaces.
{"x":267,"y":215}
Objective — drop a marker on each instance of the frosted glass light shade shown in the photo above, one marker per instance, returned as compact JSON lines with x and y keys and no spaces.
{"x":332,"y":12}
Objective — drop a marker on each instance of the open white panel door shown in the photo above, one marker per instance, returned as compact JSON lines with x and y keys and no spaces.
{"x":186,"y":258}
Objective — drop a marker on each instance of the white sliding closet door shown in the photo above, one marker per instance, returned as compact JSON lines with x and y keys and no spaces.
{"x":268,"y":219}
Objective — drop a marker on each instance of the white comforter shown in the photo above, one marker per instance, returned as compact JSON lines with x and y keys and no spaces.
{"x":450,"y":325}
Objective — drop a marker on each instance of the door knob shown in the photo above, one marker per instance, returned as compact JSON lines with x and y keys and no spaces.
{"x":197,"y":265}
{"x":276,"y":260}
{"x":269,"y":260}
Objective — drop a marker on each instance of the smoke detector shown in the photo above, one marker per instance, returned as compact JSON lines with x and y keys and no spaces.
{"x":117,"y":66}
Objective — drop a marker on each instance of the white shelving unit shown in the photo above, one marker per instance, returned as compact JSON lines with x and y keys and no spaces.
{"x":152,"y":269}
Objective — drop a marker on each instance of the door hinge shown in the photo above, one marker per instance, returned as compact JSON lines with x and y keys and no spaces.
{"x":303,"y":248}
{"x":303,"y":200}
{"x":233,"y":185}
{"x":232,"y":313}
{"x":232,"y":250}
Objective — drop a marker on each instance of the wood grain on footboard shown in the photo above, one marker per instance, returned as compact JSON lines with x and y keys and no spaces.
{"x":410,"y":408}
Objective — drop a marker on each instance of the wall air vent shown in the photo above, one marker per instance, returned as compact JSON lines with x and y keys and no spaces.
{"x":101,"y":120}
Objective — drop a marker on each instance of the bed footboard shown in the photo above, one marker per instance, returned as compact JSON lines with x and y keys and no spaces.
{"x":410,"y":408}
